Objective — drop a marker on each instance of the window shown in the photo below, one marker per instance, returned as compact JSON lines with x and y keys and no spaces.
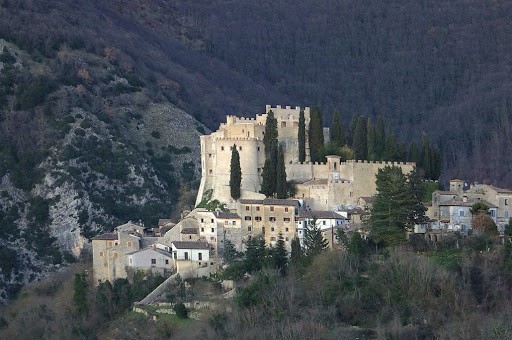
{"x":101,"y":253}
{"x":287,"y":219}
{"x":258,"y":148}
{"x":202,"y":220}
{"x":212,"y":238}
{"x":213,"y":230}
{"x":493,"y":213}
{"x":186,"y":255}
{"x":210,"y":171}
{"x":247,"y":218}
{"x":506,"y":201}
{"x":283,"y":124}
{"x":461,"y":213}
{"x":257,"y":208}
{"x":209,"y":155}
{"x":190,"y":237}
{"x":246,"y":208}
{"x":272,"y":219}
{"x":174,"y":255}
{"x":200,"y":256}
{"x":249,"y":228}
{"x":272,"y":238}
{"x":506,"y":213}
{"x":225,"y":223}
{"x":286,"y":209}
{"x":222,"y":148}
{"x":234,"y":222}
{"x":271,"y":208}
{"x":272,"y":229}
{"x":129,"y":243}
{"x":323,"y":222}
{"x":166,"y":261}
{"x":287,"y":239}
{"x":257,"y":218}
{"x":202,"y":230}
{"x":240,"y":148}
{"x":286,"y":229}
{"x":211,"y":220}
{"x":116,"y":255}
{"x":110,"y":243}
{"x":153,"y":261}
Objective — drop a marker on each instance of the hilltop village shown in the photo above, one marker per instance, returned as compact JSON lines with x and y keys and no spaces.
{"x":335,"y":194}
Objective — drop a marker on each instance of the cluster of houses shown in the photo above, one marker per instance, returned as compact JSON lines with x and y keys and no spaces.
{"x":335,"y":194}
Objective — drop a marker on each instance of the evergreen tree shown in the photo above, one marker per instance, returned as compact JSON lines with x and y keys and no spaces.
{"x":296,"y":255}
{"x":357,"y":246}
{"x":280,"y":255}
{"x":370,"y":139}
{"x":341,"y":237}
{"x":392,"y":206}
{"x":302,"y":137}
{"x":255,"y":254}
{"x":268,"y":178}
{"x":360,"y":145}
{"x":235,"y":177}
{"x":314,"y":242}
{"x":281,"y":186}
{"x":413,"y":155}
{"x":80,"y":294}
{"x":352,"y":131}
{"x":270,"y":137}
{"x":417,"y":191}
{"x":104,"y":299}
{"x":229,"y":253}
{"x":316,"y":135}
{"x":337,"y":133}
{"x":426,"y":159}
{"x":380,"y":139}
{"x":391,"y":152}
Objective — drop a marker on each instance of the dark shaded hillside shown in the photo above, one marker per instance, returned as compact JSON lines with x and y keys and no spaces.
{"x":426,"y":66}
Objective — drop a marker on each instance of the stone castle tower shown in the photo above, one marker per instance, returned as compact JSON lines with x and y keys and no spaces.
{"x":320,"y":185}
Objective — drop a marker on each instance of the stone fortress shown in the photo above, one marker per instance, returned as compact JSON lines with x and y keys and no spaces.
{"x":321,"y":186}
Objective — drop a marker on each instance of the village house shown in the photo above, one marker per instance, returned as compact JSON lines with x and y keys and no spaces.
{"x":189,"y":255}
{"x":327,"y":221}
{"x":153,"y":259}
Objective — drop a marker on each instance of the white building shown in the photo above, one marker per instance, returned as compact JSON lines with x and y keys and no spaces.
{"x":190,"y":255}
{"x":151,"y":258}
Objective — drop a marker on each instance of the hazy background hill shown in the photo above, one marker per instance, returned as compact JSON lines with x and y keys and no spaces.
{"x":95,"y":98}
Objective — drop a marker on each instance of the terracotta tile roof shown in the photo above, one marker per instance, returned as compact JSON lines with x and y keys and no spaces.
{"x":250,"y":201}
{"x":190,"y":245}
{"x":320,"y":181}
{"x":271,"y":201}
{"x":106,"y":236}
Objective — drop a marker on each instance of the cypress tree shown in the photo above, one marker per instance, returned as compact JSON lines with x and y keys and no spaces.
{"x":353,"y":125}
{"x":270,"y":137}
{"x":360,"y":145}
{"x":269,"y":176}
{"x":302,"y":137}
{"x":390,"y":148}
{"x":80,"y":294}
{"x":314,"y":242}
{"x":426,"y":159}
{"x":337,"y":133}
{"x":316,"y":135}
{"x":235,"y":177}
{"x":370,"y":139}
{"x":281,"y":175}
{"x":413,"y":153}
{"x":380,"y":139}
{"x":296,"y":255}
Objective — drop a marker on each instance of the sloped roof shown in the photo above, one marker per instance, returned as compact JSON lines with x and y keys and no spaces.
{"x":106,"y":236}
{"x":320,"y":215}
{"x":271,"y":201}
{"x":458,"y":201}
{"x":190,"y":245}
{"x":157,"y":250}
{"x":227,"y":215}
{"x":189,"y":231}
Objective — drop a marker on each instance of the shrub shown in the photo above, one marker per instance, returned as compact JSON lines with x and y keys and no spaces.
{"x":181,"y":311}
{"x":156,"y":134}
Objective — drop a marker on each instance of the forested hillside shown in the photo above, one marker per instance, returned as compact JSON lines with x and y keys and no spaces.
{"x":92,"y":130}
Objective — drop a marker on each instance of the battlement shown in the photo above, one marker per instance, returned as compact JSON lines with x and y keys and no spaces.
{"x":310,"y":163}
{"x":379,"y":162}
{"x":238,"y":139}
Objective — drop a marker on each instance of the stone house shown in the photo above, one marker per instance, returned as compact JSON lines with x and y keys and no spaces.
{"x":269,"y":217}
{"x":109,"y":255}
{"x":189,"y":255}
{"x":327,"y":221}
{"x":151,"y":259}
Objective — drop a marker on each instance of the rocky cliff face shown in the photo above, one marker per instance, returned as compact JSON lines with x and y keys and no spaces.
{"x":83,"y":147}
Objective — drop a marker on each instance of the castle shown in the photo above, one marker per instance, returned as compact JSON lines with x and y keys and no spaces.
{"x":321,"y":186}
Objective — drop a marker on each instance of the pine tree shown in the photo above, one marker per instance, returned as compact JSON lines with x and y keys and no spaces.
{"x":360,"y":145}
{"x":314,"y":241}
{"x":357,"y":246}
{"x":235,"y":177}
{"x":417,"y":191}
{"x":302,"y":137}
{"x":281,"y":187}
{"x":280,"y":255}
{"x":337,"y":133}
{"x":392,"y":206}
{"x":316,"y":135}
{"x":370,"y":139}
{"x":230,"y":253}
{"x":255,"y":254}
